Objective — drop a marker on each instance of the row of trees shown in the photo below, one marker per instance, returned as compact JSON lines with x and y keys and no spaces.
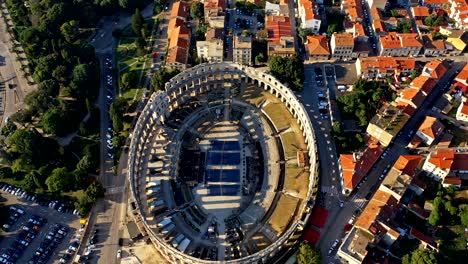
{"x":446,"y":210}
{"x":366,"y":98}
{"x":288,"y":70}
{"x":67,"y":73}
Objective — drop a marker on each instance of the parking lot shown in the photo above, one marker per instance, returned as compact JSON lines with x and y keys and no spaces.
{"x":37,"y":233}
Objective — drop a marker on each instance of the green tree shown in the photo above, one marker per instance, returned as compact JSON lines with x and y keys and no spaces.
{"x":52,"y":121}
{"x":452,"y":210}
{"x":337,"y":127}
{"x":463,"y":214}
{"x":95,"y":191}
{"x":405,"y":27}
{"x":59,"y":180}
{"x":434,"y":217}
{"x":196,"y":10}
{"x":68,"y":30}
{"x":129,"y":80}
{"x":140,"y":44}
{"x":137,"y":22}
{"x":83,"y":205}
{"x":260,"y":58}
{"x":308,"y":254}
{"x":161,"y":77}
{"x":87,"y":164}
{"x":420,"y":257}
{"x":39,"y":101}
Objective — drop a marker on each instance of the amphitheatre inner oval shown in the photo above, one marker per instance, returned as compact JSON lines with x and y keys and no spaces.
{"x":226,"y":174}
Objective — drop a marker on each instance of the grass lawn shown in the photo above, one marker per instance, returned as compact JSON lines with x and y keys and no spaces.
{"x":297,"y":181}
{"x":279,"y":115}
{"x":290,"y":144}
{"x":283,"y":214}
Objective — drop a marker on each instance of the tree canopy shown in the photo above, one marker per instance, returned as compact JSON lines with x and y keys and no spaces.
{"x":366,"y":98}
{"x":59,"y":180}
{"x":308,"y":254}
{"x":288,"y":70}
{"x":159,"y":79}
{"x":420,"y":257}
{"x":196,"y":10}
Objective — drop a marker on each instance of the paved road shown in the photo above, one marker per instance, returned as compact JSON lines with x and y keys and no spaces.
{"x":11,"y":100}
{"x":109,"y":212}
{"x":329,"y":173}
{"x":337,"y":219}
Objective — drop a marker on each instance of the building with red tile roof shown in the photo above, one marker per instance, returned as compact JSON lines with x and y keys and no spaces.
{"x":420,"y":12}
{"x":381,"y":67}
{"x":430,"y":130}
{"x":380,"y":209}
{"x":400,"y":44}
{"x":178,"y":50}
{"x":309,"y":16}
{"x":433,"y":48}
{"x":214,"y":12}
{"x":408,"y":164}
{"x":461,"y":80}
{"x":399,"y":178}
{"x":279,"y":36}
{"x":342,"y":45}
{"x":277,"y":27}
{"x":459,"y":13}
{"x":179,"y":9}
{"x":435,"y":69}
{"x":355,"y":166}
{"x":409,"y":100}
{"x":446,"y":163}
{"x":174,"y":23}
{"x":317,"y":47}
{"x":452,"y":181}
{"x":423,"y":83}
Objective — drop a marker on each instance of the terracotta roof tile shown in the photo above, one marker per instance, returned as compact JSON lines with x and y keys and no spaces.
{"x":435,"y":69}
{"x":435,"y":2}
{"x":443,"y":158}
{"x":452,"y":180}
{"x":431,"y":127}
{"x":408,"y":163}
{"x":343,"y":39}
{"x":277,"y":27}
{"x":318,"y":45}
{"x":462,"y":76}
{"x":420,"y":11}
{"x":379,"y":207}
{"x":179,"y":9}
{"x":390,"y":41}
{"x":355,"y":170}
{"x":425,"y":83}
{"x":464,"y":108}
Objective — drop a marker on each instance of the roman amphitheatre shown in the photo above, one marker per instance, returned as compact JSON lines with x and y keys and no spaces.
{"x":222,"y":166}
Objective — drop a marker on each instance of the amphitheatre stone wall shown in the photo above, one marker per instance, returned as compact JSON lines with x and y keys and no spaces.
{"x":186,"y":85}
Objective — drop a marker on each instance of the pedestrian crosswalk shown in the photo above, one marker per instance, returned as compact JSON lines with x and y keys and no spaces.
{"x":114,"y":190}
{"x":329,"y":189}
{"x":358,"y":202}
